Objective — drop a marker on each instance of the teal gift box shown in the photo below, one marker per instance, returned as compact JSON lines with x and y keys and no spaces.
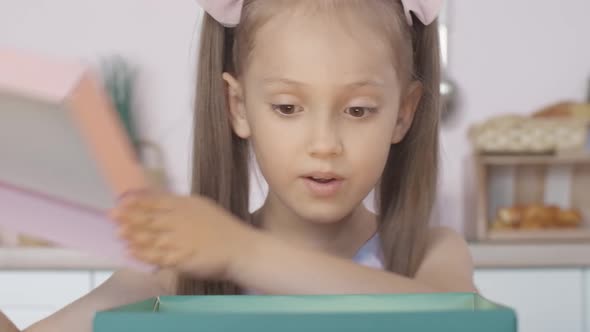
{"x":453,"y":312}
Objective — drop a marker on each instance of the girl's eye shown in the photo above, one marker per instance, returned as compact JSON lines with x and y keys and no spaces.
{"x":286,"y":109}
{"x":360,"y":112}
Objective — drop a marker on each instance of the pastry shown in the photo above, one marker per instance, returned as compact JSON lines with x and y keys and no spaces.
{"x":571,"y":218}
{"x":536,"y":216}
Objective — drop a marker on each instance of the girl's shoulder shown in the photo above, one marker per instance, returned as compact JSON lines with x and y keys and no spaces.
{"x":448,"y":252}
{"x":445,"y":241}
{"x":442,"y":233}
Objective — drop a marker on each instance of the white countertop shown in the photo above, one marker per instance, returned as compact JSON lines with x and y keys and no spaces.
{"x":486,"y":256}
{"x":571,"y":255}
{"x":50,"y":259}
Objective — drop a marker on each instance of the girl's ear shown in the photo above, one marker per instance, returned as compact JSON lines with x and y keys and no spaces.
{"x":237,"y":108}
{"x":406,"y":113}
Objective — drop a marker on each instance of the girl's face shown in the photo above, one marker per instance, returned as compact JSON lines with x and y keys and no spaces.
{"x":321,"y":103}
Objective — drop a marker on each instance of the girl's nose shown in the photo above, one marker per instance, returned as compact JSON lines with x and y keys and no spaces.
{"x":325,"y":141}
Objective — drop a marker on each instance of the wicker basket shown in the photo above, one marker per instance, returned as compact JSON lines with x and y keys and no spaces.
{"x":526,"y":135}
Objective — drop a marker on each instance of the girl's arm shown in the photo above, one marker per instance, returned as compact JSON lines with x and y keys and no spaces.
{"x":272,"y":267}
{"x":124,"y":287}
{"x":193,"y":235}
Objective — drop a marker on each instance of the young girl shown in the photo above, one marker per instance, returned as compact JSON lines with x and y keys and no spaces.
{"x":334,"y":98}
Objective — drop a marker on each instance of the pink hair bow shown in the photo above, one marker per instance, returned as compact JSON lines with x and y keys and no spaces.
{"x":228,"y":12}
{"x":425,"y":10}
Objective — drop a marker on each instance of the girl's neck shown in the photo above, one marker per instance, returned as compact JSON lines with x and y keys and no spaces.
{"x":342,"y":238}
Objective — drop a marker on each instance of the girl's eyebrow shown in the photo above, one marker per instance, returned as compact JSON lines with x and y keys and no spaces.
{"x":358,"y":84}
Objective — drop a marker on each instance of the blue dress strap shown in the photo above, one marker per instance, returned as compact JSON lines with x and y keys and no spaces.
{"x":371,"y":254}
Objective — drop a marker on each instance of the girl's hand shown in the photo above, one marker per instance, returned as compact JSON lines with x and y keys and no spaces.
{"x":190,"y":234}
{"x":6,"y":325}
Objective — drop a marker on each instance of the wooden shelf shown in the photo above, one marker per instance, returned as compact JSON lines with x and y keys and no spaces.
{"x":50,"y":259}
{"x":505,"y":181}
{"x":530,"y":255}
{"x":511,"y":160}
{"x":540,"y":235}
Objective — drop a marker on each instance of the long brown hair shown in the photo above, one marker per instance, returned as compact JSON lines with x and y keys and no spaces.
{"x":405,"y":194}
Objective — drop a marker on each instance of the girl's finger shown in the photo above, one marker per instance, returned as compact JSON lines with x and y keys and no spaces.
{"x":147,"y":255}
{"x":173,"y":259}
{"x":131,"y":195}
{"x":161,"y":225}
{"x":135,"y":218}
{"x":131,"y":232}
{"x":153,"y":201}
{"x":164,"y":242}
{"x":143,"y":239}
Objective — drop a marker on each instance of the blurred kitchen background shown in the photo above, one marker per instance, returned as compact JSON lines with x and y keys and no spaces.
{"x":515,"y":175}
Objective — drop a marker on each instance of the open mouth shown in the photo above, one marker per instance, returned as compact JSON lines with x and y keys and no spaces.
{"x":321,"y":180}
{"x":323,"y":185}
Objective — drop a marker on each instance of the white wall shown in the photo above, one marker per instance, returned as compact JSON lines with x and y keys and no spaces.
{"x":506,"y":56}
{"x":157,"y":36}
{"x":509,"y":57}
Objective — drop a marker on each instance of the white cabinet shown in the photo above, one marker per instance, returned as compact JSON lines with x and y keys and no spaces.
{"x":98,"y":277}
{"x":29,"y":296}
{"x":24,"y":318}
{"x":587,"y":299}
{"x":544,"y":300}
{"x":40,"y":289}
